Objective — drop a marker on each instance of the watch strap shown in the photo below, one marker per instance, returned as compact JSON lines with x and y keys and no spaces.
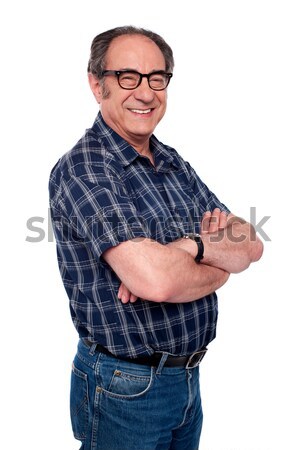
{"x":200,"y":247}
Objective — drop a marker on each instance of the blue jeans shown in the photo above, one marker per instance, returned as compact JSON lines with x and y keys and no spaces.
{"x":119,"y":405}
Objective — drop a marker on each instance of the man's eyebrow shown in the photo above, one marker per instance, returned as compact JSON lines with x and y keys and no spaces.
{"x":129,"y":69}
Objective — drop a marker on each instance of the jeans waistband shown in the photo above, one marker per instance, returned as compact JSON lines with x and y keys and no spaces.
{"x":187,"y":362}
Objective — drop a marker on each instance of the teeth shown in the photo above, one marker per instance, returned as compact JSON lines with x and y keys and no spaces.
{"x":141,"y":111}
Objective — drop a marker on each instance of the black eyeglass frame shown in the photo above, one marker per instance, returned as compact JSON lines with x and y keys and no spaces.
{"x":117,"y":74}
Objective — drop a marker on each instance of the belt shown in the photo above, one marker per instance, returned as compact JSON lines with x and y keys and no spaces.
{"x":188,"y":362}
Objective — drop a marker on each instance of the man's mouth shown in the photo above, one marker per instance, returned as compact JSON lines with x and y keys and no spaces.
{"x":141,"y":111}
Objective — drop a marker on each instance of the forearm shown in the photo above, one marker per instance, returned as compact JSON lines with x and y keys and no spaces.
{"x":169,"y":273}
{"x":164,"y":273}
{"x":190,"y":281}
{"x":233,"y":248}
{"x":200,"y":280}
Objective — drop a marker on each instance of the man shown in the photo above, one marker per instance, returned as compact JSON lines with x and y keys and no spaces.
{"x":142,"y":247}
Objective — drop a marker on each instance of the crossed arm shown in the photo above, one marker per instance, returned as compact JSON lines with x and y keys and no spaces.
{"x":168,"y":273}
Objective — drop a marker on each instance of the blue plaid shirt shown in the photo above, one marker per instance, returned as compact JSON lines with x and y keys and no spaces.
{"x":102,"y":193}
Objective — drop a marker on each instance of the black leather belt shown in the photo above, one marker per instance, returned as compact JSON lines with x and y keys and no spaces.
{"x":188,"y":362}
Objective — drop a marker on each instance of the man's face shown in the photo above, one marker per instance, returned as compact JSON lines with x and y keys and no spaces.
{"x":133,"y":114}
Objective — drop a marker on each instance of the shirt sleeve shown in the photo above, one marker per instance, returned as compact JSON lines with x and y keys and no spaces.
{"x":203,"y":195}
{"x":100,"y":214}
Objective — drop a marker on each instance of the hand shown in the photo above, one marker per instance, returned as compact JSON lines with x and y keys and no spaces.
{"x":125,"y":296}
{"x":230,"y":242}
{"x":213,"y":221}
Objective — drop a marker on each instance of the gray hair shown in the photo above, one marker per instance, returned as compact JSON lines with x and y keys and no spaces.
{"x":101,"y":42}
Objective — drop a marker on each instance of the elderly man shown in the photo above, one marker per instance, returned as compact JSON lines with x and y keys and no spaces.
{"x":142,"y":246}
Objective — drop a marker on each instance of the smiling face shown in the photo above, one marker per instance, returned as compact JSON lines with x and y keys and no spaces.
{"x":133,"y":114}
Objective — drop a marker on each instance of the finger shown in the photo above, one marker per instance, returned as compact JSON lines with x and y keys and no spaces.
{"x":123,"y":294}
{"x":133,"y":298}
{"x":124,"y":298}
{"x":120,"y":291}
{"x":222,"y":220}
{"x":214,"y":221}
{"x":205,"y":223}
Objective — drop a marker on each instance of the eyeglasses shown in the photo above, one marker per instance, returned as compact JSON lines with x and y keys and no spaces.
{"x":130,"y":79}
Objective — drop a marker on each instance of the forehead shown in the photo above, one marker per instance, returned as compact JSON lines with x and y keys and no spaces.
{"x":134,"y":51}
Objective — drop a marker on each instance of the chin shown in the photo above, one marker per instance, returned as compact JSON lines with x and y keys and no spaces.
{"x":142,"y":131}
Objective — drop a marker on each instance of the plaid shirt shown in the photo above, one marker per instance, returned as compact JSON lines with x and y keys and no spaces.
{"x":102,"y":193}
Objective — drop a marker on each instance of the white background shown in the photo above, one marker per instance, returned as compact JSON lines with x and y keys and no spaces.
{"x":233,"y":114}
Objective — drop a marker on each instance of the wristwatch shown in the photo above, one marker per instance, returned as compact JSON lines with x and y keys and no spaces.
{"x":197,"y":238}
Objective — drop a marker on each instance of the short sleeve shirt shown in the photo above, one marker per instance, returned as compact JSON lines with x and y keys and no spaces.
{"x":103,"y":193}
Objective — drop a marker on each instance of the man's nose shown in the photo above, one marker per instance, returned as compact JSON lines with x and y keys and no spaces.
{"x":144,"y":92}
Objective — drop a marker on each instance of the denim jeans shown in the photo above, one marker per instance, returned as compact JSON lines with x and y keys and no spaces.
{"x":119,"y":405}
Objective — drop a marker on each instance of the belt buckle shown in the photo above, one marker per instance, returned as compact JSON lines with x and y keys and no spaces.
{"x":196,"y":358}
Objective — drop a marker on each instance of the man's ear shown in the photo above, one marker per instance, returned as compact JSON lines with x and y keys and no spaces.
{"x":95,"y":86}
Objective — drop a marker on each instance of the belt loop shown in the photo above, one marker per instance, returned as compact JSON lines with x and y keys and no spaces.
{"x":161,"y":363}
{"x":93,"y":349}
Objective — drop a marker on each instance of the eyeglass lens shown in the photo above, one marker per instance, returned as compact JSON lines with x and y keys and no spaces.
{"x":130,"y":80}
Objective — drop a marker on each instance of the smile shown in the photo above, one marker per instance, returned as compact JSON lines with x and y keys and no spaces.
{"x":141,"y":111}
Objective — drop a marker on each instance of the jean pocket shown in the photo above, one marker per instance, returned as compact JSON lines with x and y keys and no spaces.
{"x":129,"y":385}
{"x":79,"y":403}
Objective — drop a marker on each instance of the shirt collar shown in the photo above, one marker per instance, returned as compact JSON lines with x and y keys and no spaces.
{"x":126,"y":154}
